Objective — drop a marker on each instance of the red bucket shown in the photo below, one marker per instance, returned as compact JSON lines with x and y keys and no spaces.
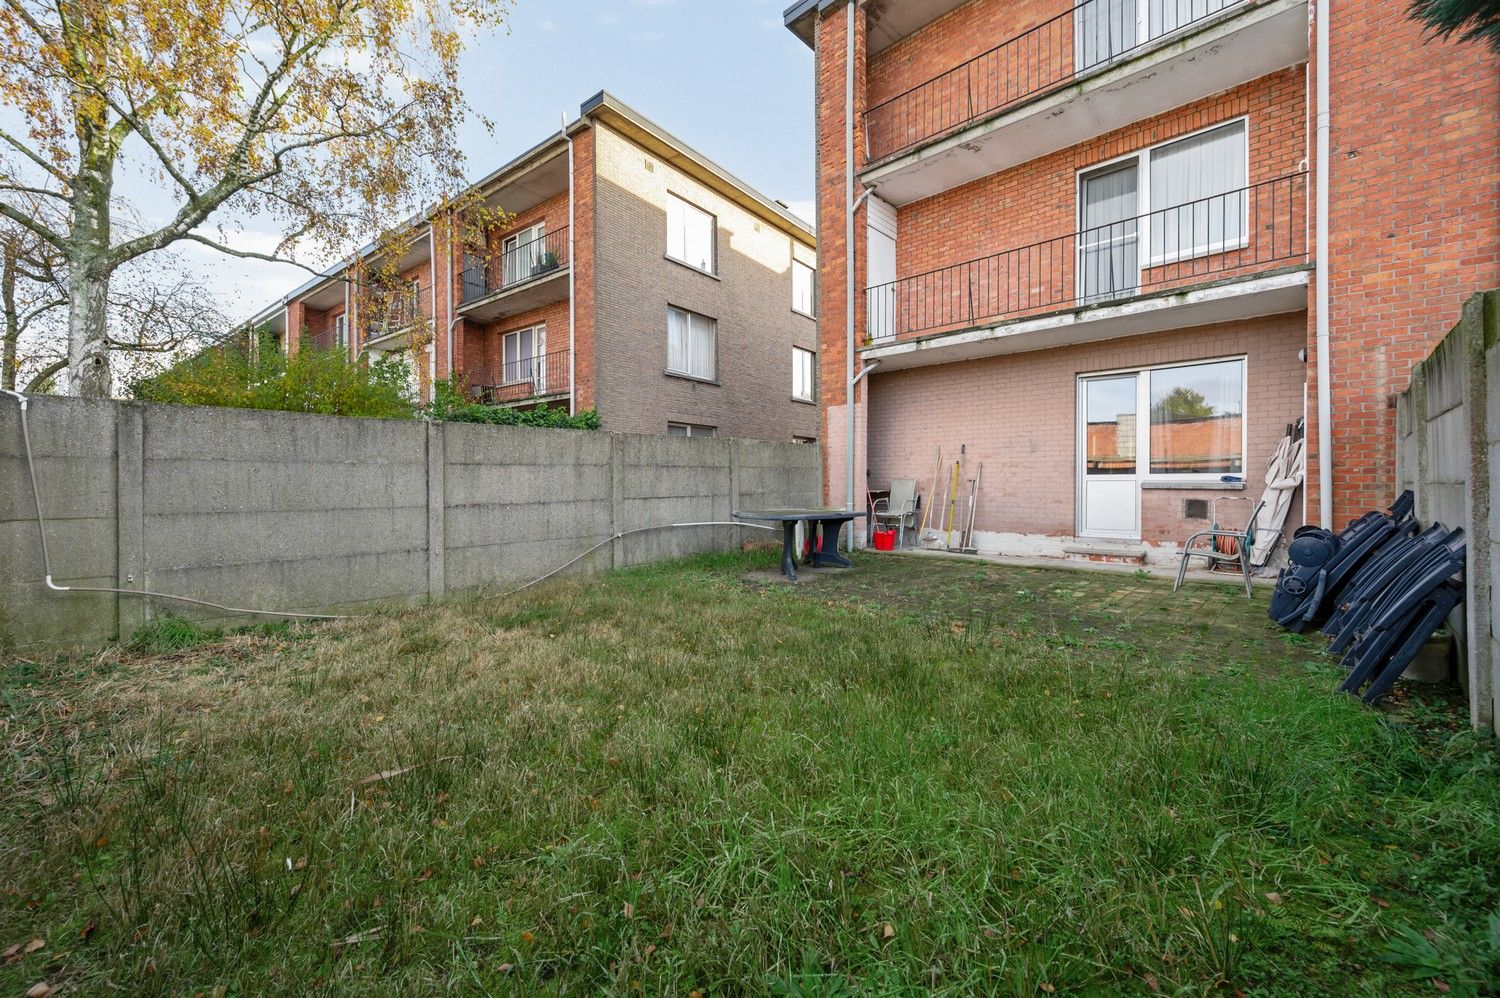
{"x":885,"y":540}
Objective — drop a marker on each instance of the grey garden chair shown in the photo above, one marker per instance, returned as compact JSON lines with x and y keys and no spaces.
{"x":1245,"y":543}
{"x":900,"y":508}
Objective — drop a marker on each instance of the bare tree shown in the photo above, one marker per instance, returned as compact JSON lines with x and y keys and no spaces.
{"x":155,"y":312}
{"x":325,"y":115}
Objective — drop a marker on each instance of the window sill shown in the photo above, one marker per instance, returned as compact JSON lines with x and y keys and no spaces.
{"x":805,"y":315}
{"x":1212,"y":485}
{"x":693,"y":378}
{"x":804,"y":401}
{"x":688,"y":266}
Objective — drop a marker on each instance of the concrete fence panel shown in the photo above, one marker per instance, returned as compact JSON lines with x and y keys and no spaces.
{"x":1447,"y":448}
{"x":294,"y":512}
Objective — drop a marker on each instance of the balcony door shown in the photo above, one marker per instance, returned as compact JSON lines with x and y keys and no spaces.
{"x":523,"y":358}
{"x":1106,"y":29}
{"x":1109,"y":204}
{"x":521,"y":253}
{"x":880,"y":270}
{"x":1109,"y":462}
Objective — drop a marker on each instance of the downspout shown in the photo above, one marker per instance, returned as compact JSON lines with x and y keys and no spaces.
{"x":849,"y":258}
{"x":1320,"y":278}
{"x":432,"y":282}
{"x":572,"y":270}
{"x":448,"y":280}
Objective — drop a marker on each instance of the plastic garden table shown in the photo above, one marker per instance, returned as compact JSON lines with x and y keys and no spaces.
{"x":822,"y":523}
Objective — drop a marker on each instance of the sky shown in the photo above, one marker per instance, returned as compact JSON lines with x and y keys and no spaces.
{"x":724,"y":76}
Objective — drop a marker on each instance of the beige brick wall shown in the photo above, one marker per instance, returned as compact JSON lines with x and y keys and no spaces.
{"x":750,"y":297}
{"x":1016,"y":414}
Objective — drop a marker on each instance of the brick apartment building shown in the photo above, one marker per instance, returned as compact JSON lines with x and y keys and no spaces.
{"x":632,"y":276}
{"x":1086,"y":249}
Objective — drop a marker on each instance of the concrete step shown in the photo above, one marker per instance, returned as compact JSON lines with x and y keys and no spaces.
{"x":1109,"y":552}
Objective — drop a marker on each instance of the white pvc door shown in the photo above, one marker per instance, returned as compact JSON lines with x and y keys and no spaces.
{"x":880,"y":273}
{"x":1109,"y":457}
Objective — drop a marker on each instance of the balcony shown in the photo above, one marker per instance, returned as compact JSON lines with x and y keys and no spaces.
{"x":1096,"y":67}
{"x":524,"y":379}
{"x":391,"y":321}
{"x":1234,"y":255}
{"x":525,"y":273}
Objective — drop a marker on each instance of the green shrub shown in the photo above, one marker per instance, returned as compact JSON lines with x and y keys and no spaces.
{"x":311,"y":380}
{"x":168,"y":634}
{"x":449,"y":405}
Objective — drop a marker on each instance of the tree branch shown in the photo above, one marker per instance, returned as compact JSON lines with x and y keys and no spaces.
{"x":33,"y":226}
{"x":40,"y":378}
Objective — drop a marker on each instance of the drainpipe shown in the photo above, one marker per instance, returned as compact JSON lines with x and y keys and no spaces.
{"x":849,"y":203}
{"x":572,"y":269}
{"x":1320,"y":278}
{"x":432,"y":282}
{"x":448,"y":280}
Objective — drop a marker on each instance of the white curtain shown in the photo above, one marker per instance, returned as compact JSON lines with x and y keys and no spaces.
{"x":1168,"y":15}
{"x":690,"y":234}
{"x":1102,"y":29}
{"x":690,"y":343}
{"x":1197,"y":194}
{"x":1108,"y":261}
{"x":520,"y":351}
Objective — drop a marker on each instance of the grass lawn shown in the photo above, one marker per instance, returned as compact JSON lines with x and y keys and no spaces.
{"x":927,"y":774}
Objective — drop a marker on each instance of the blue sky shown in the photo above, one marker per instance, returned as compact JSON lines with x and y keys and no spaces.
{"x":724,"y":76}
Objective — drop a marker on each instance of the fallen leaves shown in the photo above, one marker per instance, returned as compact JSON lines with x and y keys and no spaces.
{"x":41,"y":989}
{"x":1275,"y":898}
{"x":18,"y":950}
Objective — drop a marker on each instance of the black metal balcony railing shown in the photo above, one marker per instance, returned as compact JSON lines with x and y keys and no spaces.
{"x":524,"y":378}
{"x":1253,"y":228}
{"x":515,"y":264}
{"x":1089,"y":36}
{"x":402,"y":312}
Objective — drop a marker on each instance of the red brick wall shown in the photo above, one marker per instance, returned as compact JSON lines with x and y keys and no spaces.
{"x":1016,"y":414}
{"x":831,"y":194}
{"x":584,"y":254}
{"x":1414,"y":218}
{"x":1037,"y":201}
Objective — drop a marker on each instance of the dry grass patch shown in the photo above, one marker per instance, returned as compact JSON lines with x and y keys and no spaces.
{"x":668,"y":780}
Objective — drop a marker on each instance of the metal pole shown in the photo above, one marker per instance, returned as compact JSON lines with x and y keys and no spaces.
{"x":1320,"y":278}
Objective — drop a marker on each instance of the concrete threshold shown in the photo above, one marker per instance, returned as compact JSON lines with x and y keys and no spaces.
{"x":1167,"y":571}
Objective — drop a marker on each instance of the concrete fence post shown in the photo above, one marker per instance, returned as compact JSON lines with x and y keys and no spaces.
{"x":437,"y":501}
{"x":1418,"y":395}
{"x":1477,"y":577}
{"x":130,"y":517}
{"x":734,"y":493}
{"x":616,"y":498}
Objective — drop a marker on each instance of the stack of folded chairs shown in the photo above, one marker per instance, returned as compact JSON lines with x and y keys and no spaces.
{"x":1379,"y":589}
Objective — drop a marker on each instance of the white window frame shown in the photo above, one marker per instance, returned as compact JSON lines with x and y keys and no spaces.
{"x":1146,"y":256}
{"x":341,"y":329}
{"x":713,"y":374}
{"x":812,"y":373}
{"x":812,"y":288}
{"x":538,"y":351}
{"x":1143,"y":472}
{"x":713,"y":234}
{"x":691,"y":430}
{"x":511,"y":244}
{"x":1143,"y":35}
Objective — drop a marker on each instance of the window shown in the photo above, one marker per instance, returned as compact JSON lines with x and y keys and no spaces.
{"x":690,"y":234}
{"x":691,"y":344}
{"x":1182,"y":420}
{"x":522,"y":253}
{"x":521,"y":356}
{"x":1105,"y":29}
{"x":341,"y":329}
{"x":804,"y":440}
{"x":691,"y":430}
{"x":802,"y":288}
{"x":1176,"y":201}
{"x":804,"y":366}
{"x":1198,"y":419}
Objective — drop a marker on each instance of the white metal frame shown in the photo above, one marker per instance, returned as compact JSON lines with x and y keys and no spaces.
{"x":713,"y":237}
{"x":1143,"y":34}
{"x":812,"y":373}
{"x":713,"y":374}
{"x":812,"y":288}
{"x":508,"y":247}
{"x":1143,"y":473}
{"x":538,"y":374}
{"x":1145,"y":258}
